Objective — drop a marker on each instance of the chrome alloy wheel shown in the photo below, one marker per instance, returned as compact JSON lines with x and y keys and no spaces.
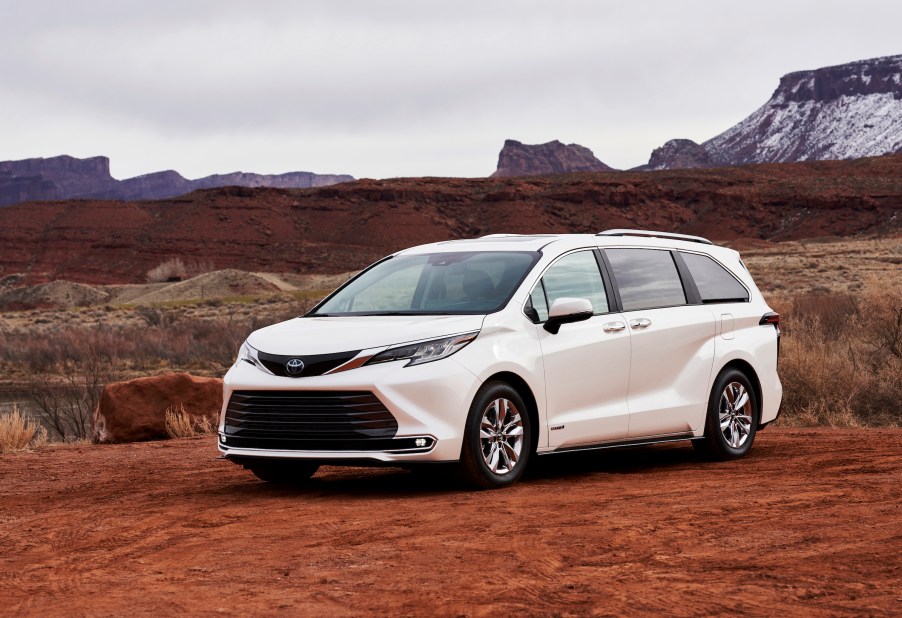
{"x":735,"y":414}
{"x":501,"y":435}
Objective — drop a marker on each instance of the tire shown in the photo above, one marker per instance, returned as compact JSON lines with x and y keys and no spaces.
{"x":283,"y":472}
{"x":729,"y":428}
{"x":497,"y":438}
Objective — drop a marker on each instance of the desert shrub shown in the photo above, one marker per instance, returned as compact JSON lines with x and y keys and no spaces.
{"x":170,"y":270}
{"x":181,"y":424}
{"x":155,"y":316}
{"x":19,"y":433}
{"x":67,"y":399}
{"x":176,"y":269}
{"x":841,"y":358}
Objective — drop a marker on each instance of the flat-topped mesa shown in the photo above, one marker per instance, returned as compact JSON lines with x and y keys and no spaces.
{"x":860,"y":78}
{"x":518,"y":159}
{"x":54,"y":178}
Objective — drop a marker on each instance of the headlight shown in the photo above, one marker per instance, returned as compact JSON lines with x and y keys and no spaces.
{"x":425,"y":352}
{"x":248,"y":354}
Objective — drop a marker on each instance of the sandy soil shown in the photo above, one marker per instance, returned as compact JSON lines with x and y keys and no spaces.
{"x":226,"y":284}
{"x":810,"y":524}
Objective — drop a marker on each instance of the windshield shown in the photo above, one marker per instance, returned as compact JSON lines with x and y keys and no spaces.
{"x":436,"y":283}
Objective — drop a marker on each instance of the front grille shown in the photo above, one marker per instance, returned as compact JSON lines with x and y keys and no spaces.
{"x":309,"y":420}
{"x":314,"y":364}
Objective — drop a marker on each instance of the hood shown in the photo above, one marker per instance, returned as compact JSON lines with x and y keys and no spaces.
{"x":305,"y":336}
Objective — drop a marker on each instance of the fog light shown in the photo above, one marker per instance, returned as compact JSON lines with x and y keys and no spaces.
{"x":222,"y":438}
{"x":420,"y":442}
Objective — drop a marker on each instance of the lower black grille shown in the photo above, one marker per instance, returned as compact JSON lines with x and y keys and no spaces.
{"x":309,"y":420}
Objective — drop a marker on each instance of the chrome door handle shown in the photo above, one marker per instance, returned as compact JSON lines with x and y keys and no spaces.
{"x":613,"y":327}
{"x":640,"y":323}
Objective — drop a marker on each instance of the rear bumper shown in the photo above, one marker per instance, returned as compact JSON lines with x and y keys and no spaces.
{"x":428,"y":401}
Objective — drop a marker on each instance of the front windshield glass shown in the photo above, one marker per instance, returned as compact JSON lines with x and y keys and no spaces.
{"x":435,"y":283}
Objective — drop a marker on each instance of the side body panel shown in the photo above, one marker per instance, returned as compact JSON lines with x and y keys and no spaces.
{"x":671,"y":369}
{"x":587,"y":371}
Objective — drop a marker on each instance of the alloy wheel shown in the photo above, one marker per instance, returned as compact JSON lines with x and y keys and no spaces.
{"x":735,"y":414}
{"x":501,"y":435}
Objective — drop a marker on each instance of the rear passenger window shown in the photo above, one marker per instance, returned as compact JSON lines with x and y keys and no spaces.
{"x":573,"y":276}
{"x":715,"y":284}
{"x":647,"y":278}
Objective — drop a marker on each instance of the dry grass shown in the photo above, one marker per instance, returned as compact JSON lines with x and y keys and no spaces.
{"x":19,"y":433}
{"x":176,"y":269}
{"x":203,"y":340}
{"x":181,"y":424}
{"x":841,"y":357}
{"x":825,"y":266}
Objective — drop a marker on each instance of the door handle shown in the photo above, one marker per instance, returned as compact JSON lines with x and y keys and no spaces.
{"x":613,"y":327}
{"x":640,"y":323}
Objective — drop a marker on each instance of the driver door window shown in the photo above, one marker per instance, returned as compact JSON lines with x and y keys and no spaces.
{"x":573,"y":276}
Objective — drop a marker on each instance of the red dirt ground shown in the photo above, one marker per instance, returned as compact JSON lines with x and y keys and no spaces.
{"x":809,"y":524}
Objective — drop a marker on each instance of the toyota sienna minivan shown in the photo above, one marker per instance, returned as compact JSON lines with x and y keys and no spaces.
{"x":489,"y":352}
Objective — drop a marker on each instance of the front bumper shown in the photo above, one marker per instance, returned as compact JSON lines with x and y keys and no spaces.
{"x":429,"y":401}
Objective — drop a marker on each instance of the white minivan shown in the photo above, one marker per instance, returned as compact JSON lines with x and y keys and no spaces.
{"x":488,"y":352}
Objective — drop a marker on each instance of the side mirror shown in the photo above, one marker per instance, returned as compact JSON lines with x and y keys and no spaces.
{"x":566,"y":311}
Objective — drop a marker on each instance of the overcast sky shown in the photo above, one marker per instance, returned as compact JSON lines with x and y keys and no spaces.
{"x":401,"y":88}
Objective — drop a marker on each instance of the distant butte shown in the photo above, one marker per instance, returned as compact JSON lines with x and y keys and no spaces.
{"x":65,"y":177}
{"x":518,"y":159}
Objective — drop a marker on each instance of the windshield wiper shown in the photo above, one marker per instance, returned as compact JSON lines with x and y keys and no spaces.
{"x":389,"y":313}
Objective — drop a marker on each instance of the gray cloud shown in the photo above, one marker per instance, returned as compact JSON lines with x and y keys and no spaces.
{"x":400,"y":88}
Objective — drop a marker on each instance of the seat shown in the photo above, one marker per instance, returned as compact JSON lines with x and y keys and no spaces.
{"x":478,"y":285}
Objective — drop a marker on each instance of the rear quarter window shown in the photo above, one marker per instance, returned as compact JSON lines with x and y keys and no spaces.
{"x":646,"y":278}
{"x":714,"y":282}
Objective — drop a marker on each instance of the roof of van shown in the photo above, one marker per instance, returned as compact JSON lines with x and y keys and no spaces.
{"x":564,"y":242}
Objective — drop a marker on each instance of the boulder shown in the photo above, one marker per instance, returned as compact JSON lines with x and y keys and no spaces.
{"x":136,"y":410}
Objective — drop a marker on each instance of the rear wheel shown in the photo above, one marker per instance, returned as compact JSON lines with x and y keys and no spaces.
{"x":732,"y":420}
{"x":283,"y":472}
{"x":497,"y":438}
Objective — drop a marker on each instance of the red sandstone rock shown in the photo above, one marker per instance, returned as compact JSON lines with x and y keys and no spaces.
{"x":136,"y":410}
{"x":347,"y":226}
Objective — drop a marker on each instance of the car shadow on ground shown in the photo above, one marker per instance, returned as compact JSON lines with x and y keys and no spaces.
{"x":432,"y":480}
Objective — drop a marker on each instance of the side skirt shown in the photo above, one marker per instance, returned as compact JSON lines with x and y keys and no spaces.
{"x":640,"y":442}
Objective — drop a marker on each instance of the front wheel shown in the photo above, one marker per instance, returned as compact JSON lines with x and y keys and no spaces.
{"x":497,"y":439}
{"x":733,"y":414}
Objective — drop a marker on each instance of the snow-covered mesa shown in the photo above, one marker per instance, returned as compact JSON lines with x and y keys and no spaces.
{"x":841,"y":112}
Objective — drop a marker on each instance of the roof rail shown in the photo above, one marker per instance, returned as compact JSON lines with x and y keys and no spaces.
{"x":516,"y":235}
{"x":651,"y":234}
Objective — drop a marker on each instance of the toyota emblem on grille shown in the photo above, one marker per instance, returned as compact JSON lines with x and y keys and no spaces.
{"x":294,"y":367}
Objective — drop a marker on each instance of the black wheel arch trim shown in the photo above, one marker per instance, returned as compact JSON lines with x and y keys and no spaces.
{"x":525,"y":391}
{"x":749,"y":372}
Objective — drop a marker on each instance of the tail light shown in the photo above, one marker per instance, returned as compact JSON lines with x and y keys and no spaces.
{"x":771,"y":318}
